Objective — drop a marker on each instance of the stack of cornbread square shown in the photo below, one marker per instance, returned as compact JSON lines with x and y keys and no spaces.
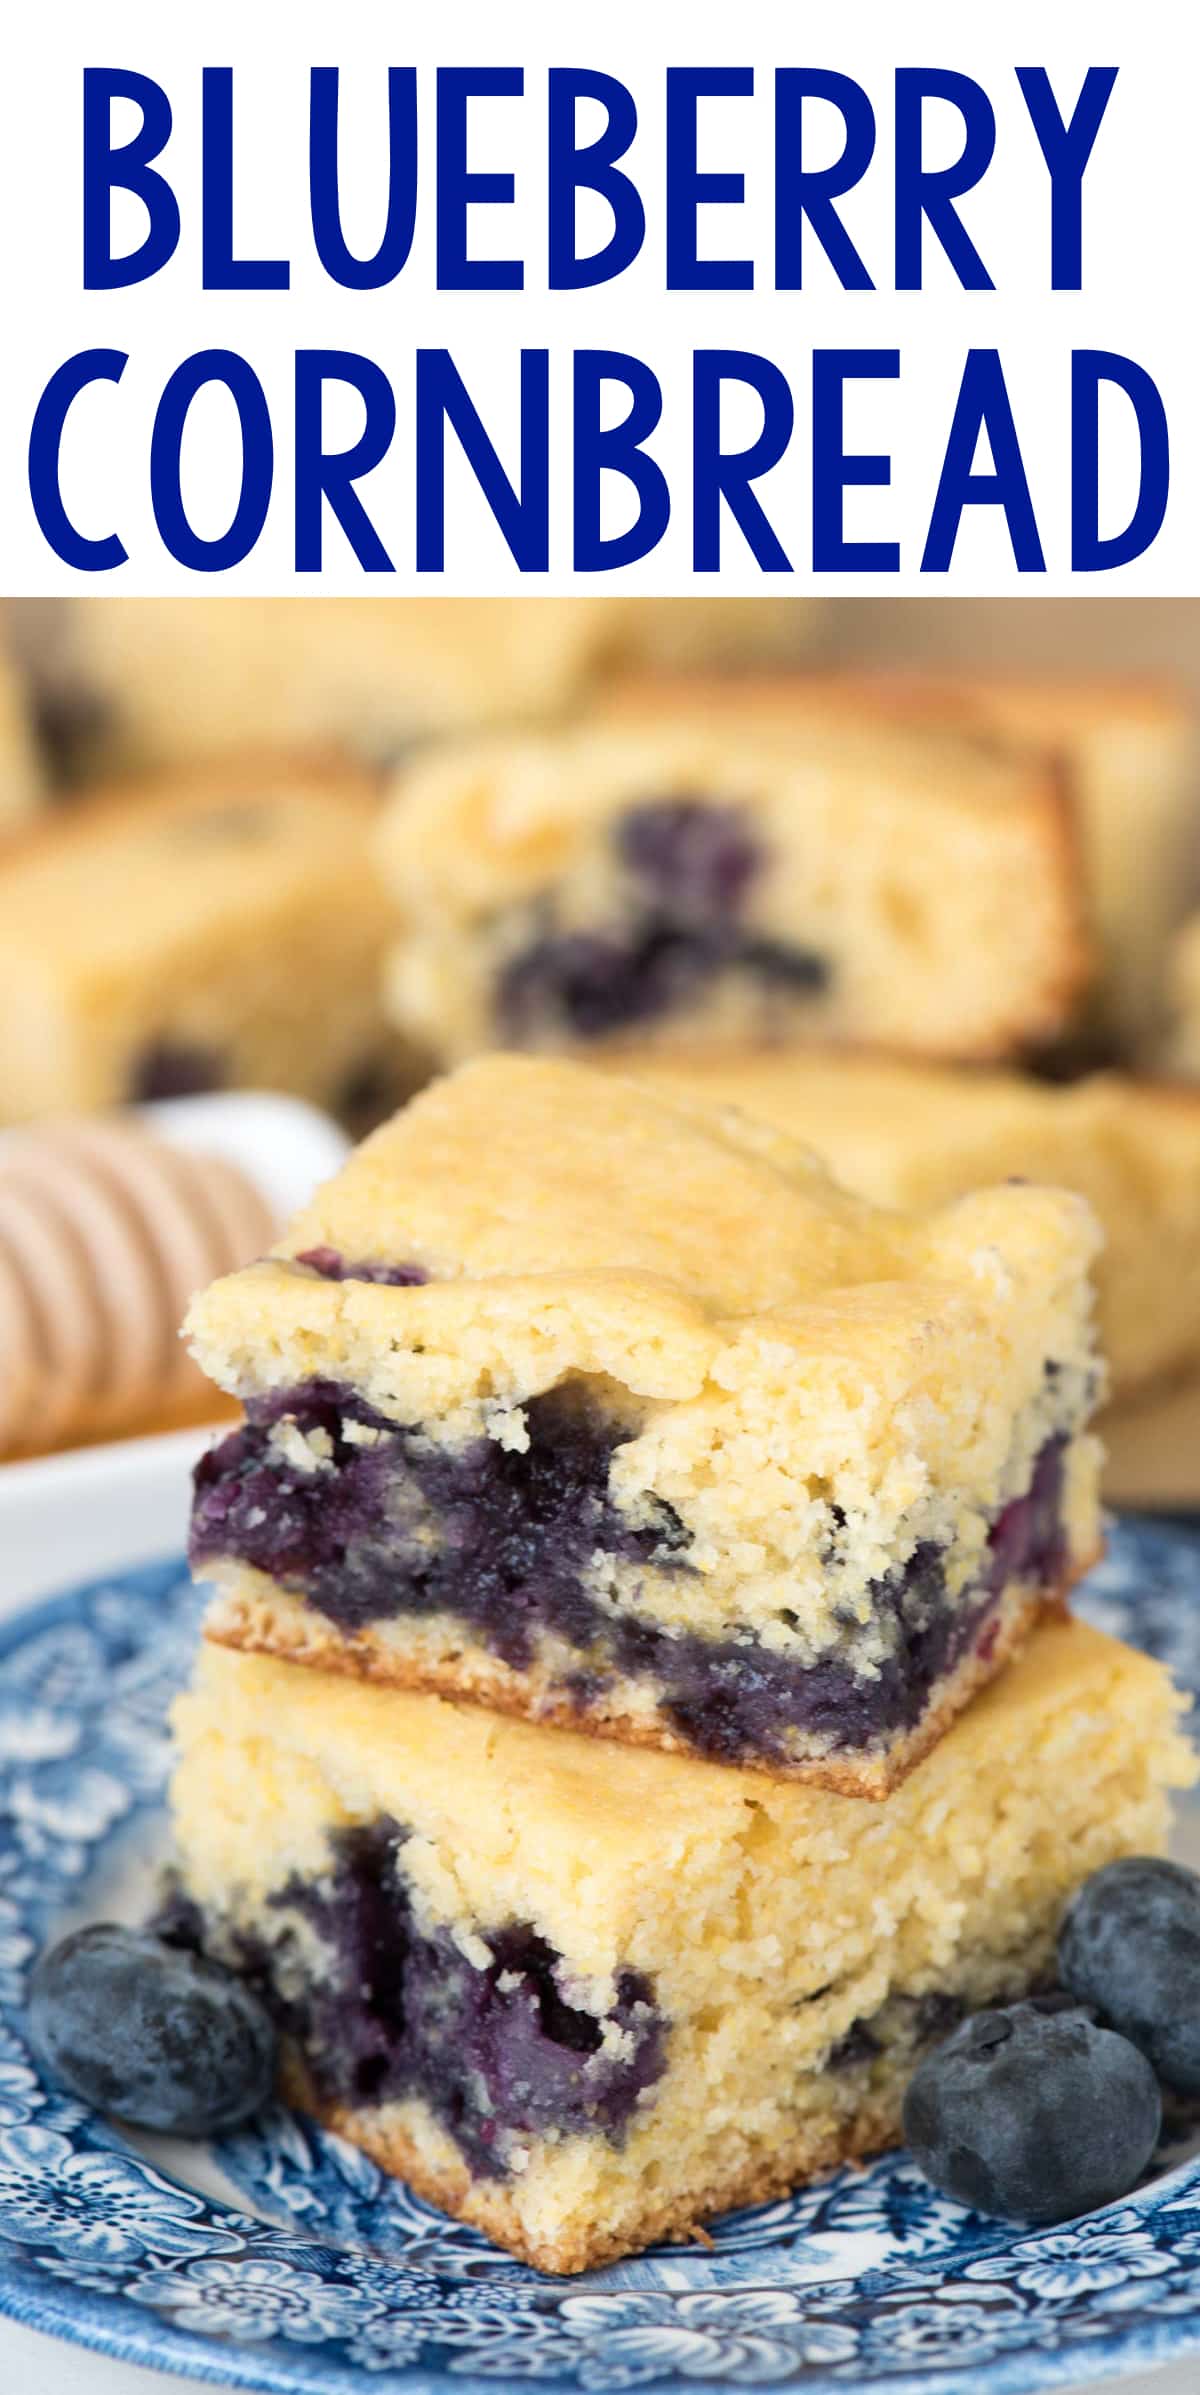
{"x":637,"y":1714}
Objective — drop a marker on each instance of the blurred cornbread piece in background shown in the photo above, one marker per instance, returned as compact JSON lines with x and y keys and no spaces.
{"x":1183,"y":1001}
{"x":20,"y":772}
{"x":130,"y":684}
{"x":1134,"y":764}
{"x":910,"y":1136}
{"x":219,"y":930}
{"x":106,"y":1232}
{"x":1152,"y":1449}
{"x":714,"y":871}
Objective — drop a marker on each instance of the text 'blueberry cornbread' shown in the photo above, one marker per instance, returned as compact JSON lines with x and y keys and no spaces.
{"x":585,"y":2007}
{"x":716,"y":876}
{"x":915,"y":1135}
{"x":219,"y":929}
{"x":575,"y":1401}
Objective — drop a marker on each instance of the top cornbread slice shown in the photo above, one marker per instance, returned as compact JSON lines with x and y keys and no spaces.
{"x":912,"y":1135}
{"x":710,"y":872}
{"x":746,"y":1409}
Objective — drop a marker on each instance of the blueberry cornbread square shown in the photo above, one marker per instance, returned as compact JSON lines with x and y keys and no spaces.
{"x":137,"y":684}
{"x":586,"y":1404}
{"x":1130,"y":751}
{"x":912,"y":1135}
{"x":708,"y":875}
{"x":584,"y":2008}
{"x":222,"y":929}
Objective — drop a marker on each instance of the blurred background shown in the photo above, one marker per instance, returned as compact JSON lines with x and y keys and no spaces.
{"x":274,"y":845}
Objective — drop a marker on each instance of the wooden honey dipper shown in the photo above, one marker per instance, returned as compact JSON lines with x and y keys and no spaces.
{"x":105,"y":1234}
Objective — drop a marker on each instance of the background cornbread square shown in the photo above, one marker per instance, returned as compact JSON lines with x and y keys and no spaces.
{"x":142,"y":684}
{"x":599,"y":1406}
{"x":602,"y":2003}
{"x":701,"y":873}
{"x":21,"y":780}
{"x":222,"y":928}
{"x":914,"y":1135}
{"x":1183,"y":999}
{"x":1131,"y":752}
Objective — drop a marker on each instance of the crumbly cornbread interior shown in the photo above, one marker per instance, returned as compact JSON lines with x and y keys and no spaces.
{"x":768,"y":1918}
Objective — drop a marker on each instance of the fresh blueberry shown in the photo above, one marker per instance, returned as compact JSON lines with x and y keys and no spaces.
{"x":1130,"y":1945}
{"x":154,"y":2033}
{"x":1036,"y":2114}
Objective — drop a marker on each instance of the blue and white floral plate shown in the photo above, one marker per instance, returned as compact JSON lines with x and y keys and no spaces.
{"x":285,"y":2261}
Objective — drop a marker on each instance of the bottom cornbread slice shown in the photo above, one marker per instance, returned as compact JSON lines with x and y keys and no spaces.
{"x":585,"y":1997}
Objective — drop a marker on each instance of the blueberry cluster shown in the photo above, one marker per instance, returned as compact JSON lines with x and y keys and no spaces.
{"x":144,"y":2024}
{"x":505,"y":1541}
{"x":690,"y":864}
{"x":1046,"y":2109}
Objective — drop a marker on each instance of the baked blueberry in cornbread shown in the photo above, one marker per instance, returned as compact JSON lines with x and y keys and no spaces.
{"x":607,"y":1409}
{"x":222,"y":929}
{"x":586,"y":2007}
{"x":719,"y":877}
{"x":908,"y":1134}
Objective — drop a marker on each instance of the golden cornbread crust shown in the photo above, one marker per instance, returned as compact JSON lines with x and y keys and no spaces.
{"x":254,"y":1618}
{"x":676,"y":2217}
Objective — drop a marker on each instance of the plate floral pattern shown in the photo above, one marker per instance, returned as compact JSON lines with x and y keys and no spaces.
{"x":313,"y":2272}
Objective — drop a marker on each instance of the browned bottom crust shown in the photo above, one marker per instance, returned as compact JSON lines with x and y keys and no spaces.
{"x":664,"y":2217}
{"x":258,"y":1618}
